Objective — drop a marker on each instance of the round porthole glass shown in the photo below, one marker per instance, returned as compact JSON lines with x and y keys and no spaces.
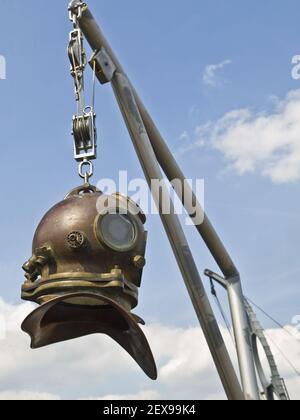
{"x":117,"y":231}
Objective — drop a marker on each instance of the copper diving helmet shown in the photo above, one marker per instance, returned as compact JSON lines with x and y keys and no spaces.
{"x":85,"y":271}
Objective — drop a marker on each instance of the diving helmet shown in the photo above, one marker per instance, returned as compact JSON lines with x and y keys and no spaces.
{"x":85,"y":272}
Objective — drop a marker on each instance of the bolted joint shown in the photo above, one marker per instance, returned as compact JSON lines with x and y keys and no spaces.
{"x":103,"y":65}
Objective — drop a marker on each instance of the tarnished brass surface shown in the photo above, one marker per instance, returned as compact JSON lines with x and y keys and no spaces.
{"x":83,"y":285}
{"x":61,"y":320}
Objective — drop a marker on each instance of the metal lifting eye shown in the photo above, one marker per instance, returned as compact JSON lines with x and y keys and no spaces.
{"x":86,"y":175}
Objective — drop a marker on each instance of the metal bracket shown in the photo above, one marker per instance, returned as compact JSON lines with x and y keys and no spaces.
{"x":217,"y":278}
{"x":103,"y":65}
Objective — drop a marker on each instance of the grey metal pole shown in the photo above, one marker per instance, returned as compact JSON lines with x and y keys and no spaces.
{"x":242,"y":335}
{"x":97,"y":41}
{"x":144,"y":150}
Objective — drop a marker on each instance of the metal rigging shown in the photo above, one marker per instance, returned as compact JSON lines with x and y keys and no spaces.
{"x":84,"y":122}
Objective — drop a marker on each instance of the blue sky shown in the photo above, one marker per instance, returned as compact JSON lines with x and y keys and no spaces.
{"x":165,"y":48}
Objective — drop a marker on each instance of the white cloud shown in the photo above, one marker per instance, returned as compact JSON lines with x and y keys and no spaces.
{"x":27,"y":396}
{"x":267,"y":144}
{"x":184,"y":136}
{"x":179,"y":349}
{"x":144,"y":395}
{"x":185,"y":365}
{"x":210,"y":76}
